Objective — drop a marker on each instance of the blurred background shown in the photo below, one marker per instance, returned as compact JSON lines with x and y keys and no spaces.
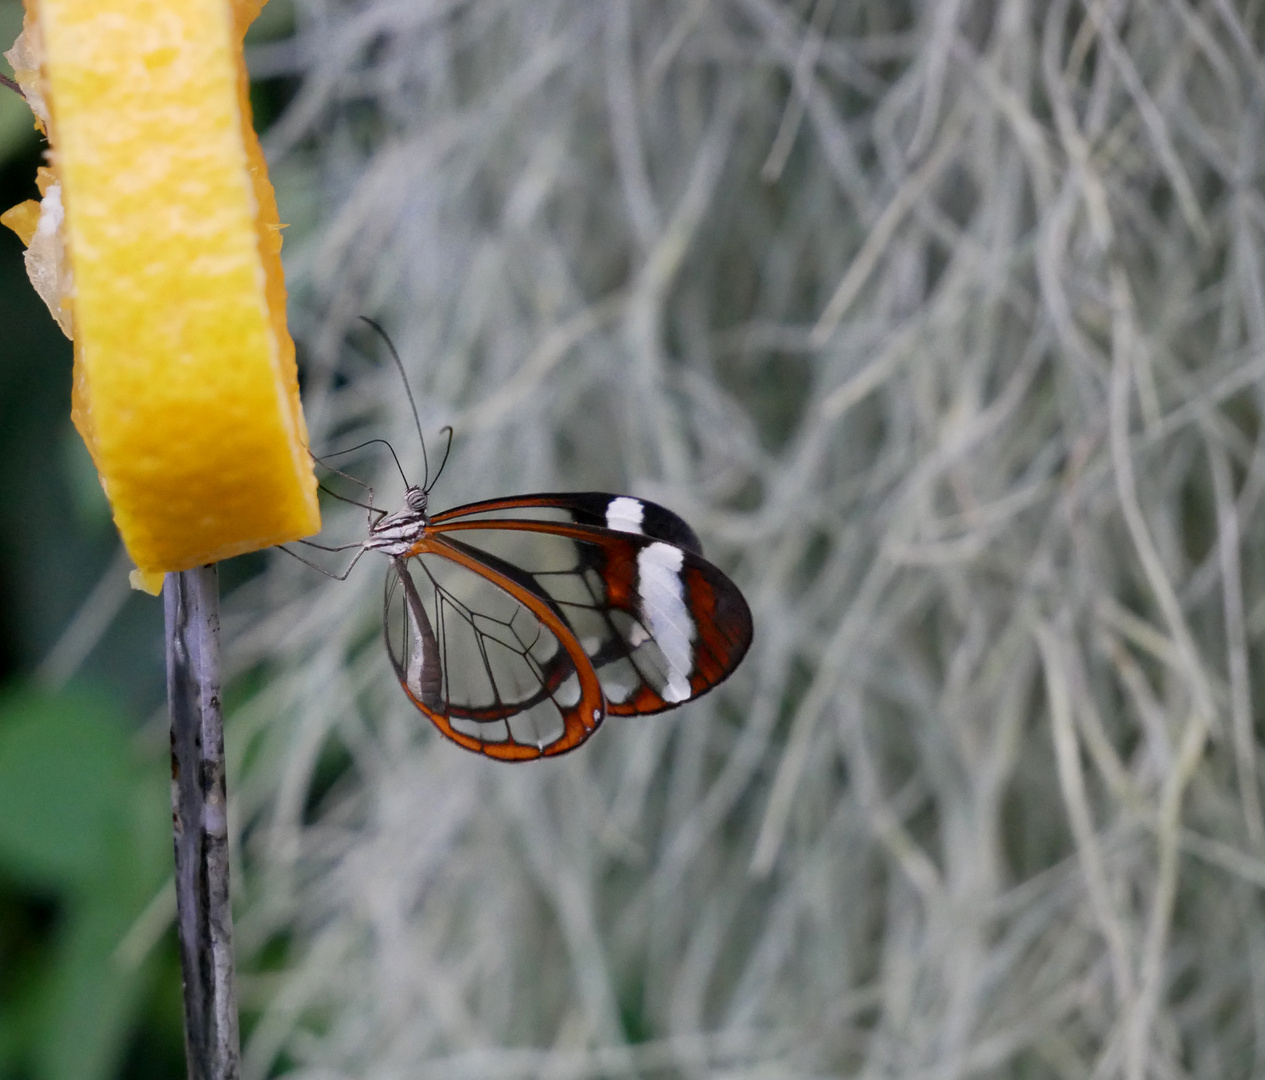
{"x":943,"y":324}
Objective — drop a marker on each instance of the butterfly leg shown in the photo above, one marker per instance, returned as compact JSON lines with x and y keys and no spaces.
{"x":323,"y":547}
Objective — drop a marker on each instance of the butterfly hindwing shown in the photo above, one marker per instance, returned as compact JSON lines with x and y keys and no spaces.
{"x":487,"y":657}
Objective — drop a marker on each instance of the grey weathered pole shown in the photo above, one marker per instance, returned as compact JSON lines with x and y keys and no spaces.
{"x":200,"y":823}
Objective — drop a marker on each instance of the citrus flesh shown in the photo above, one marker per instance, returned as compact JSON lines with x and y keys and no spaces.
{"x":185,"y":384}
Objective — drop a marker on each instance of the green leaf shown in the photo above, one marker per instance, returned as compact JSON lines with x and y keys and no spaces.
{"x":65,"y":764}
{"x":89,"y":1002}
{"x":84,"y":819}
{"x":17,"y":124}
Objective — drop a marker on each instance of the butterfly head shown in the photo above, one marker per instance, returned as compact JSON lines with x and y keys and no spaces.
{"x":395,"y":534}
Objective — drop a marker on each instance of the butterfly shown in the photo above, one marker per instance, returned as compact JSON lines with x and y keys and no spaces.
{"x":517,"y":625}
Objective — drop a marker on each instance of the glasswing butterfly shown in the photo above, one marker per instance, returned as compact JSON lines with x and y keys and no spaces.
{"x":517,"y":625}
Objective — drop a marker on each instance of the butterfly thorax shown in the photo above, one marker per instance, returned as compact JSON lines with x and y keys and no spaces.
{"x":396,"y":533}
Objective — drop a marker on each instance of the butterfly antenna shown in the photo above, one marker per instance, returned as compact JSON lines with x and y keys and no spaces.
{"x":399,"y":366}
{"x":447,"y":451}
{"x":361,"y":446}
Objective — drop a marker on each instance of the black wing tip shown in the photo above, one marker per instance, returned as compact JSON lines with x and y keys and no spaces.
{"x":657,"y":522}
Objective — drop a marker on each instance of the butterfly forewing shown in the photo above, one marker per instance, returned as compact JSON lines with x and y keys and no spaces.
{"x":619,"y":513}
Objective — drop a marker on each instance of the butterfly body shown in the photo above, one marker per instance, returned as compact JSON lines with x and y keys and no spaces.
{"x":517,"y":625}
{"x":396,"y":534}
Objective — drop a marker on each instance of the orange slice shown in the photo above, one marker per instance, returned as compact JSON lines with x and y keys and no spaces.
{"x":165,"y":263}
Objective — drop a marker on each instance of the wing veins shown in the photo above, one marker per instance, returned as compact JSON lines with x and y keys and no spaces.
{"x":469,"y":616}
{"x":615,"y":645}
{"x":445,"y":598}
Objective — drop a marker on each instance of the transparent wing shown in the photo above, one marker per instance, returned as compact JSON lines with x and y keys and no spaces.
{"x":540,"y":627}
{"x":488,"y":658}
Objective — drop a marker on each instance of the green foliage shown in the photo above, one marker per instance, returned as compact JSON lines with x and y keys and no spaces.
{"x":84,"y":826}
{"x":16,"y":126}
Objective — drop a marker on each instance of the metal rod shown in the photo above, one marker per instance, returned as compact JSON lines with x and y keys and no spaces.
{"x":204,"y":922}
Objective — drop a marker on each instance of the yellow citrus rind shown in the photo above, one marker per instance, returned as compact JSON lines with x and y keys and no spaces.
{"x":185,"y":383}
{"x":22,"y":219}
